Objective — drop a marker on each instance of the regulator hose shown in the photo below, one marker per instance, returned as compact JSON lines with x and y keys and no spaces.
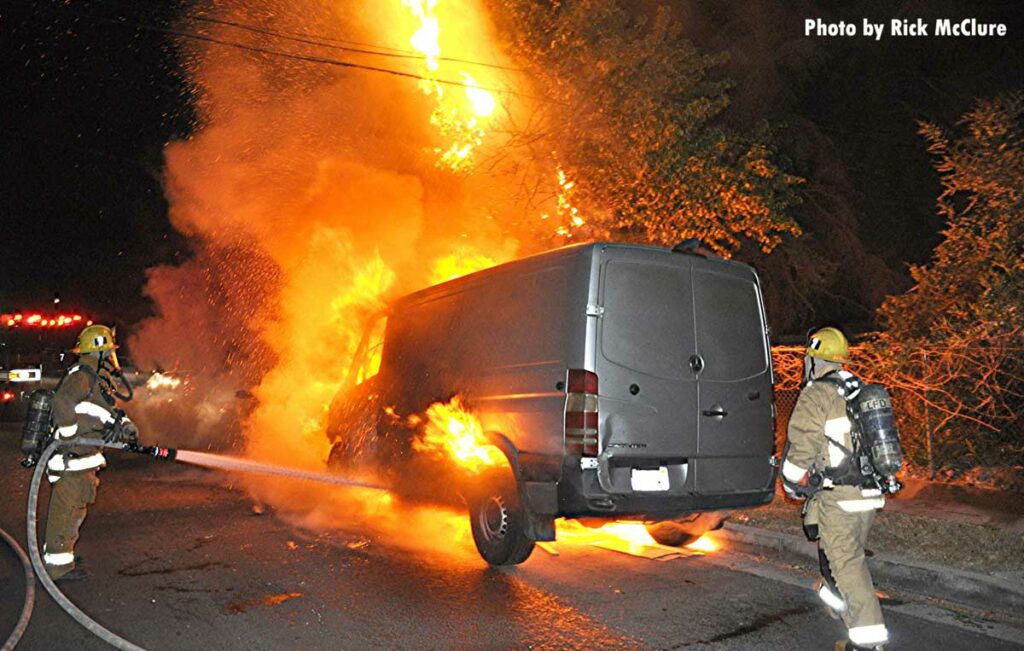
{"x":30,"y":592}
{"x":116,"y":373}
{"x":37,"y":562}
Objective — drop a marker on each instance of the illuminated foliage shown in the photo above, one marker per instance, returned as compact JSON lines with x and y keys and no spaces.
{"x":958,"y":331}
{"x":632,"y":118}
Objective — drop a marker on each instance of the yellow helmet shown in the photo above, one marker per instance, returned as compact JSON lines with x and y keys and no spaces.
{"x":95,"y":339}
{"x":830,"y":345}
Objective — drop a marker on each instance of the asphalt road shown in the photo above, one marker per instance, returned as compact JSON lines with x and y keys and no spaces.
{"x":178,"y":560}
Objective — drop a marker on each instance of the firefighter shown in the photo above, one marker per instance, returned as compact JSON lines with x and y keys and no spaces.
{"x":83,"y":407}
{"x":840,"y":508}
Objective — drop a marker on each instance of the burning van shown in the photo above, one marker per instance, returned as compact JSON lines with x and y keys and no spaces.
{"x":618,"y":382}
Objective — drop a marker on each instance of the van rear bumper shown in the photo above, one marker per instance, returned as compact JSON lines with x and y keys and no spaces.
{"x":580,"y":495}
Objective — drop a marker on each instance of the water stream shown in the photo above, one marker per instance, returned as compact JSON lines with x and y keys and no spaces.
{"x":236,"y":464}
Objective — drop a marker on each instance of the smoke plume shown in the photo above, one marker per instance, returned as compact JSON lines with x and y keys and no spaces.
{"x":312,"y":194}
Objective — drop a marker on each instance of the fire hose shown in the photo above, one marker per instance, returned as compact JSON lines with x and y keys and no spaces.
{"x":34,"y":560}
{"x":90,"y":624}
{"x":30,"y":592}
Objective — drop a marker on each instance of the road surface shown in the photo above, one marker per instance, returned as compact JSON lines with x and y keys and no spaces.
{"x":178,"y":560}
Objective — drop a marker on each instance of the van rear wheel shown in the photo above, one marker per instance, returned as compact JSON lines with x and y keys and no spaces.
{"x":498,"y":522}
{"x":676,"y":533}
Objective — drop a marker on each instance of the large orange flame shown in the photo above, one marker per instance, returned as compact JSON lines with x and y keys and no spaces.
{"x":452,"y":431}
{"x":460,"y":120}
{"x":462,"y":262}
{"x":628,"y":537}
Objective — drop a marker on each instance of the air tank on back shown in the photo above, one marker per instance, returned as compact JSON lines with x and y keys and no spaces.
{"x":877,"y":425}
{"x":37,"y":422}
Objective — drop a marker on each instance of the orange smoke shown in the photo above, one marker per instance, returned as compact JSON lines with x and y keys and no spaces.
{"x":450,"y":430}
{"x":313,"y":195}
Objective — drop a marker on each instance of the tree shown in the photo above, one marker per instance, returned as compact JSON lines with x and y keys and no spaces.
{"x":630,"y":135}
{"x":956,"y":336}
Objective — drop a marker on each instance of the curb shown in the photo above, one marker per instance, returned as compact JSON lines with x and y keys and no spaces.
{"x":936,"y":581}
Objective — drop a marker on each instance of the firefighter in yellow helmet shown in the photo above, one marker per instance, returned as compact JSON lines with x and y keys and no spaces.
{"x":840,"y":508}
{"x":83,"y":408}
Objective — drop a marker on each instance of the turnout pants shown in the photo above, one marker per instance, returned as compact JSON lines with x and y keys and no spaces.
{"x":842,"y":537}
{"x":70,"y":497}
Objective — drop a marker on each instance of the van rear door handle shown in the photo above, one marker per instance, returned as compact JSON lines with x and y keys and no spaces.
{"x":716,"y":411}
{"x":696,"y":363}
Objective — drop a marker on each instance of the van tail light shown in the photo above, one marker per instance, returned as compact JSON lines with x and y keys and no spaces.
{"x":581,"y":413}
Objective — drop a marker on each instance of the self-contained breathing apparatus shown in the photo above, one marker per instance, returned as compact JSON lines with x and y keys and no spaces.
{"x":876,"y":455}
{"x":38,"y":430}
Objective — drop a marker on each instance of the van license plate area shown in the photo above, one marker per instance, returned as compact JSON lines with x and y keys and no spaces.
{"x":649,"y":480}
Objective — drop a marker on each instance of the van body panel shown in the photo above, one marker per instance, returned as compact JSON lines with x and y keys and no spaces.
{"x":648,"y":394}
{"x":502,"y":339}
{"x":734,"y":386}
{"x":505,"y":339}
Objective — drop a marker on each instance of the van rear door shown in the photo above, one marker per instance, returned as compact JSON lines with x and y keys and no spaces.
{"x":735,"y":436}
{"x":648,"y":394}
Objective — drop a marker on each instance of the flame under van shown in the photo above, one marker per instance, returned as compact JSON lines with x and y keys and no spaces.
{"x":620,"y":381}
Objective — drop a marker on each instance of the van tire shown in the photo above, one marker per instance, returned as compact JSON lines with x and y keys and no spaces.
{"x":677,"y":533}
{"x":498,"y":522}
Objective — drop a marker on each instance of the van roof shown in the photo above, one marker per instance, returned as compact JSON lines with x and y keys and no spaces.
{"x":564,"y":251}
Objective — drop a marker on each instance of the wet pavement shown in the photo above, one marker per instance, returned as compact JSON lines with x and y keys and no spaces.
{"x":177,"y":560}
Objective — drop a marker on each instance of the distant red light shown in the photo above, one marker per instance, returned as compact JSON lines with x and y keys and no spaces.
{"x":6,"y":396}
{"x":37,"y":320}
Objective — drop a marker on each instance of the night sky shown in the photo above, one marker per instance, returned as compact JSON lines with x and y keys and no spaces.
{"x":88,"y":105}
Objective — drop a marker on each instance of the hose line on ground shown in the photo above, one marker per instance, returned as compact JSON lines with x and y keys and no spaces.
{"x":30,"y":592}
{"x":37,"y":562}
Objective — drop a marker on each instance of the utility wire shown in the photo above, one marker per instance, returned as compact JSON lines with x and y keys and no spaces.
{"x":299,"y":57}
{"x":302,"y":34}
{"x":320,"y":41}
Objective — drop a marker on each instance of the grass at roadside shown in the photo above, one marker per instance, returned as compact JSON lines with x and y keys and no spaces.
{"x":978,"y":548}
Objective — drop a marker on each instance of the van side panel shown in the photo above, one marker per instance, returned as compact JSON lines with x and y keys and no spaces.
{"x":503,"y":340}
{"x":515,"y":333}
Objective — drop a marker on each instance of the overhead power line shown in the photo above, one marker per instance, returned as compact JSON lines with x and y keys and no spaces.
{"x":326,"y":42}
{"x":309,"y":58}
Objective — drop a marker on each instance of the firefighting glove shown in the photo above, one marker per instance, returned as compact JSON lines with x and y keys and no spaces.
{"x":793,"y":491}
{"x":807,"y":487}
{"x":122,"y":430}
{"x":129,"y":432}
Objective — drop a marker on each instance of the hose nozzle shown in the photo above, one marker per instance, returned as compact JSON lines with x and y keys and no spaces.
{"x":168,"y":454}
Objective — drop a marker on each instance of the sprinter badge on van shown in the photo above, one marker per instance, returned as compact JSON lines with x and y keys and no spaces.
{"x":628,"y":446}
{"x":650,"y":480}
